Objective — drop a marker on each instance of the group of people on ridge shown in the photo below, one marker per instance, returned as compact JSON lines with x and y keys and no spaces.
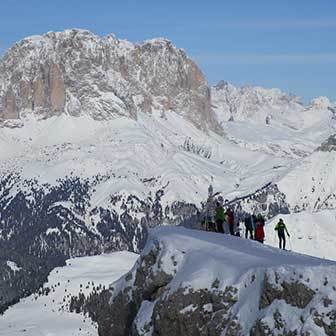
{"x":224,"y":222}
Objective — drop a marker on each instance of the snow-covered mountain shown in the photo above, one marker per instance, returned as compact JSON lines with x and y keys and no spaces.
{"x":311,"y":185}
{"x":190,"y":282}
{"x":78,"y":73}
{"x":272,"y":120}
{"x":101,"y":139}
{"x":267,"y":106}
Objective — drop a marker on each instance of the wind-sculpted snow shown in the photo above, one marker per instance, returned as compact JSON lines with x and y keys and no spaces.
{"x":188,"y":282}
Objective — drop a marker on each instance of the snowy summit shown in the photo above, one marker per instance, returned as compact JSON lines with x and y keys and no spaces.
{"x":188,"y":282}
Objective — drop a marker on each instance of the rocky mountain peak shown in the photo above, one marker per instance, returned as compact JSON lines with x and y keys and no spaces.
{"x":79,"y":73}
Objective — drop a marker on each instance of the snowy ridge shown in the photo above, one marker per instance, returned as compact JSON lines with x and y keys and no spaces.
{"x":188,"y":281}
{"x":273,"y":121}
{"x":267,"y":106}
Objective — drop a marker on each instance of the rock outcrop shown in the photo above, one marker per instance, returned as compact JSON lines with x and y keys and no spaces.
{"x":188,"y":282}
{"x":329,"y":145}
{"x":77,"y":72}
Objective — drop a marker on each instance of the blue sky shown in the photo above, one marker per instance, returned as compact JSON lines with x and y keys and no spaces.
{"x":285,"y":44}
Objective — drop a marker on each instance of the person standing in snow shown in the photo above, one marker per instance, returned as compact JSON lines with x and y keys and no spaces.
{"x":219,"y":218}
{"x":281,"y":228}
{"x":259,"y":230}
{"x":248,"y":221}
{"x":230,"y":220}
{"x":209,"y":212}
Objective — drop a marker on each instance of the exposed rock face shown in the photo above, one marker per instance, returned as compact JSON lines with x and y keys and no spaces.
{"x":76,"y":72}
{"x":296,"y":294}
{"x":9,"y":106}
{"x":57,"y":89}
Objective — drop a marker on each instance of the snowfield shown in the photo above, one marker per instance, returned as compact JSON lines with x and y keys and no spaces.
{"x":48,"y":315}
{"x":172,"y":151}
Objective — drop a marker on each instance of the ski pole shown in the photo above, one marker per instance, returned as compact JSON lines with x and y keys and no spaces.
{"x":290,"y":244}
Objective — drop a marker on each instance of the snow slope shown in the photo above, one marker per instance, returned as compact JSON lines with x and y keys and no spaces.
{"x":171,"y":150}
{"x":206,"y":283}
{"x":312,"y":233}
{"x":311,"y":184}
{"x":49,"y":315}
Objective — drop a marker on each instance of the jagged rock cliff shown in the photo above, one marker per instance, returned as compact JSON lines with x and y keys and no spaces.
{"x":188,"y":282}
{"x":77,"y":72}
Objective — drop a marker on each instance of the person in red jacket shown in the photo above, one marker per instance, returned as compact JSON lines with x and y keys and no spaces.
{"x":259,"y":231}
{"x":230,"y":220}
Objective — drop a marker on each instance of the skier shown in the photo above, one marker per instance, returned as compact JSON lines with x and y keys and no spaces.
{"x":248,"y":221}
{"x":259,"y":231}
{"x":230,"y":220}
{"x":281,"y":228}
{"x":219,"y":218}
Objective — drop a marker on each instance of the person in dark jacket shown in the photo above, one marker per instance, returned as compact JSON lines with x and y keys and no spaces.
{"x":219,"y":217}
{"x":281,"y":228}
{"x":248,"y":221}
